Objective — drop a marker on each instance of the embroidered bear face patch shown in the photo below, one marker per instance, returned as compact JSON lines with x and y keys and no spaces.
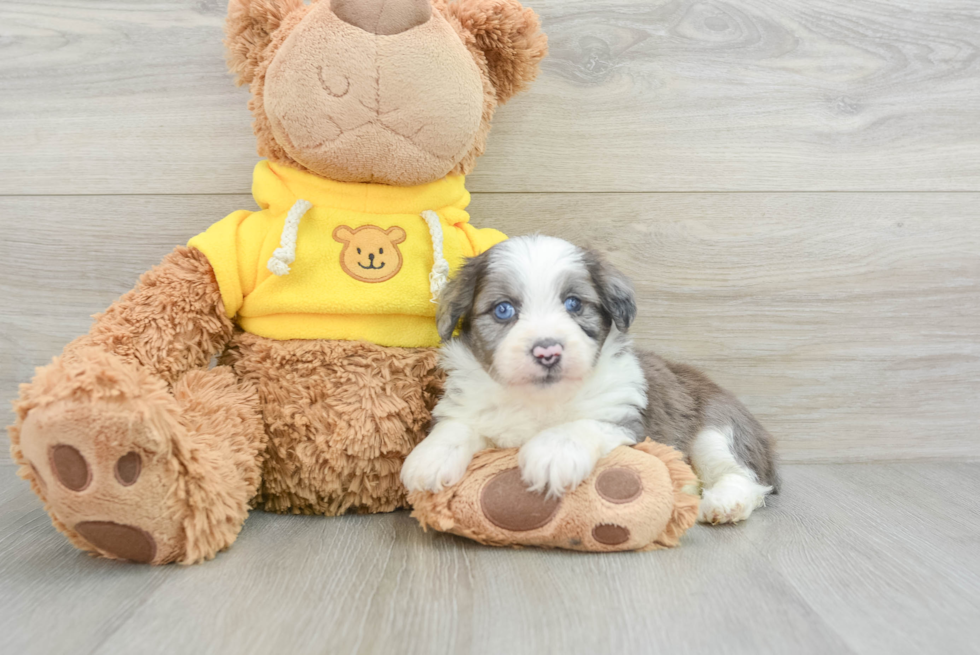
{"x":370,"y":254}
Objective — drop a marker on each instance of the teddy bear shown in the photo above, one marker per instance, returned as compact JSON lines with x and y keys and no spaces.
{"x":319,"y":306}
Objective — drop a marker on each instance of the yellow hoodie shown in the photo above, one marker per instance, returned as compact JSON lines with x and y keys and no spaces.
{"x":335,"y":260}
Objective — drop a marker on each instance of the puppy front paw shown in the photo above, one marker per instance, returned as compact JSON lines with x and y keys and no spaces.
{"x":554,"y":463}
{"x":434,"y":465}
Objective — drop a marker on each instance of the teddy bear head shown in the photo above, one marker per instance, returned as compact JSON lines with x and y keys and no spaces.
{"x":397,"y":92}
{"x":364,"y":257}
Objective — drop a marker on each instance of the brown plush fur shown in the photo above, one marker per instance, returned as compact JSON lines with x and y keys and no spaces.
{"x":266,"y":144}
{"x":684,"y":486}
{"x":507,"y":35}
{"x":220,"y":458}
{"x":490,"y":101}
{"x":341,"y":417}
{"x":172,"y":322}
{"x":248,"y":32}
{"x":665,"y":507}
{"x":136,"y":383}
{"x":294,"y":426}
{"x":360,"y":107}
{"x":199,"y":447}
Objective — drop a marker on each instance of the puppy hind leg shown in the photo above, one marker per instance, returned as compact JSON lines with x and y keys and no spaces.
{"x":731,"y":491}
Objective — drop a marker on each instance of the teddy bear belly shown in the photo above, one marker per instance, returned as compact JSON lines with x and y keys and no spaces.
{"x":340,"y":416}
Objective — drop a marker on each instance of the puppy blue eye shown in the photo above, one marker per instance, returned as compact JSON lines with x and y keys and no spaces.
{"x":504,"y":311}
{"x":573,"y":304}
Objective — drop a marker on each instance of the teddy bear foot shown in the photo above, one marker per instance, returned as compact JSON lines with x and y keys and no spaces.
{"x":106,"y":479}
{"x":638,"y":498}
{"x":132,"y":470}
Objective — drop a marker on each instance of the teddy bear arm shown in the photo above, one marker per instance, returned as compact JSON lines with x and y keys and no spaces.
{"x":172,"y":322}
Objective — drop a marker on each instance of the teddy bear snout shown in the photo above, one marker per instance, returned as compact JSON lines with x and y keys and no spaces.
{"x":383,"y":16}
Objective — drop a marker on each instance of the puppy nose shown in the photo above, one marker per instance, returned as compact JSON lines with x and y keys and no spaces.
{"x":547,"y":352}
{"x":383,"y":16}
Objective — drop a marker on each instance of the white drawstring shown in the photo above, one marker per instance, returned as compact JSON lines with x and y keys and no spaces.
{"x":440,"y":267}
{"x":285,"y":254}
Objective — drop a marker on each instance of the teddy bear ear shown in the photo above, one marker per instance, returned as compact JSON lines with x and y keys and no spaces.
{"x":396,"y":235}
{"x":248,"y":30}
{"x":510,"y":37}
{"x":342,"y":234}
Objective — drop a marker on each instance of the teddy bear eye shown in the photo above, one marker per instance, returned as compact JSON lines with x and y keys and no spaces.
{"x":358,"y":251}
{"x":381,"y":251}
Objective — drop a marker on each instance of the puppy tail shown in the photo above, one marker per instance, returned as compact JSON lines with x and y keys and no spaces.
{"x":686,"y":493}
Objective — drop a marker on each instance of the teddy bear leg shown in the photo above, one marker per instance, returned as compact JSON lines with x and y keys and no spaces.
{"x":131,"y":470}
{"x":638,"y":498}
{"x":221,"y":458}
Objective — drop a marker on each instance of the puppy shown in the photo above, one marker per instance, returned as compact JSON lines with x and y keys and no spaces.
{"x":542,"y":362}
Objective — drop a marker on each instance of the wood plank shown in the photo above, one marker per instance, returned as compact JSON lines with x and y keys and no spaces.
{"x":130,"y":97}
{"x":892,"y":539}
{"x":850,"y":323}
{"x":848,"y":559}
{"x":378,"y":584}
{"x":53,"y":597}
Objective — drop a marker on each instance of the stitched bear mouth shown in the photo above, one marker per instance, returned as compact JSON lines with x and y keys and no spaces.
{"x":372,"y":267}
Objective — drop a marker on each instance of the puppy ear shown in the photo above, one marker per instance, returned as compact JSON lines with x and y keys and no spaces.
{"x":456,"y":299}
{"x":615,"y":290}
{"x":248,"y":30}
{"x":510,"y":38}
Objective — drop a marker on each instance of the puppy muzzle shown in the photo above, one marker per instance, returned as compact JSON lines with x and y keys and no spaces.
{"x":547,"y":353}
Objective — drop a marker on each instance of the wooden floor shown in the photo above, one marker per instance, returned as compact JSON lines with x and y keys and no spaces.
{"x":852,"y":558}
{"x":793,"y":185}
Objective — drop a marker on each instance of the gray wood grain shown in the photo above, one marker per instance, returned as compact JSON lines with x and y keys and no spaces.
{"x":850,"y":323}
{"x":865,"y":559}
{"x":908,"y":546}
{"x":53,"y":597}
{"x":132,"y":97}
